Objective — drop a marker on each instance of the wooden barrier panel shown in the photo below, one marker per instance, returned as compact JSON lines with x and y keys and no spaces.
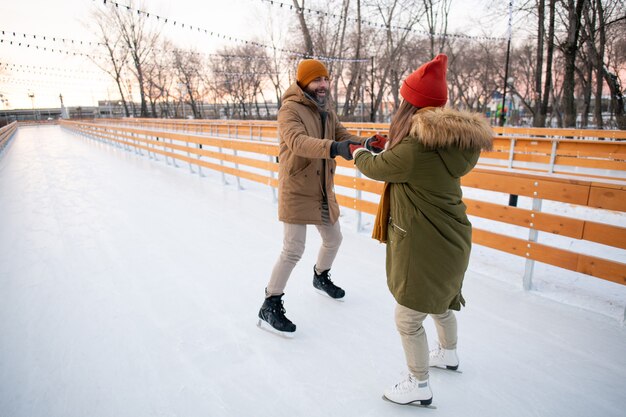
{"x":259,"y":155}
{"x":530,"y":185}
{"x":564,"y":133}
{"x":601,"y":153}
{"x":6,"y":133}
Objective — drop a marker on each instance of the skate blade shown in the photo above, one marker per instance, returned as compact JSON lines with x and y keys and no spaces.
{"x":413,"y":404}
{"x":446,"y":368}
{"x":325,"y":294}
{"x":263,"y":325}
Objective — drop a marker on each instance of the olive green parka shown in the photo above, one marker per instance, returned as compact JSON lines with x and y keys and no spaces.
{"x":305,"y":170}
{"x":429,"y":234}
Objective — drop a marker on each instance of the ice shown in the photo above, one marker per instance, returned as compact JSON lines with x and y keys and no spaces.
{"x":130,"y":287}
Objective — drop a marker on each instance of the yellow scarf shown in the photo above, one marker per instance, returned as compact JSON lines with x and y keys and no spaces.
{"x":381,"y":222}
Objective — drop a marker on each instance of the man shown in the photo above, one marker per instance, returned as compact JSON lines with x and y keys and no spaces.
{"x":311,"y":137}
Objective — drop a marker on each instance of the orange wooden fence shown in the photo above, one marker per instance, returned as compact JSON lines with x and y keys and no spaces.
{"x":255,"y":160}
{"x":6,"y":133}
{"x":597,"y":153}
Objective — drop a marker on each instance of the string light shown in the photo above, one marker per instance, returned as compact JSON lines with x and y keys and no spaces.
{"x":234,"y":39}
{"x":301,"y":10}
{"x":48,"y":38}
{"x":25,"y":67}
{"x":45,"y":48}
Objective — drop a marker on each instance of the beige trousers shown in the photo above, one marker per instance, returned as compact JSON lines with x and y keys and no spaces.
{"x":414,"y":340}
{"x":294,"y":239}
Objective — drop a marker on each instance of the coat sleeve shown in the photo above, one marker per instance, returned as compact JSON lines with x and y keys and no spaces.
{"x":394,"y":165}
{"x":294,"y":135}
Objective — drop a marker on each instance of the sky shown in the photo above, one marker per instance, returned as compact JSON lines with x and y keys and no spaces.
{"x":32,"y":77}
{"x":130,"y":287}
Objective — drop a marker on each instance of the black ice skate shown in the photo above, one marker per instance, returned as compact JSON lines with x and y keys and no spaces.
{"x":325,"y":286}
{"x":272,"y":317}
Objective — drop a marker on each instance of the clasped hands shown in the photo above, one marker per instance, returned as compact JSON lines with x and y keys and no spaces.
{"x":376,"y":143}
{"x":345,"y":149}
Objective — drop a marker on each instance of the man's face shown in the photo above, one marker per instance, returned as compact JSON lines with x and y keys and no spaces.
{"x":318,"y":88}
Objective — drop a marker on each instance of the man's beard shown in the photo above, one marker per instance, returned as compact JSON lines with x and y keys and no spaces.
{"x":320,"y":99}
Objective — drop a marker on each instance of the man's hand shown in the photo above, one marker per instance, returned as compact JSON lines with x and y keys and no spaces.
{"x":342,"y":149}
{"x":376,"y":143}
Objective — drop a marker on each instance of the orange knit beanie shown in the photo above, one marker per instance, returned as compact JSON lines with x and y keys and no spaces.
{"x":308,"y":70}
{"x":426,"y":86}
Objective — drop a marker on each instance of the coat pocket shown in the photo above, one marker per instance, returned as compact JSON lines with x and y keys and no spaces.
{"x":398,"y":259}
{"x":399,"y":232}
{"x":299,"y":167}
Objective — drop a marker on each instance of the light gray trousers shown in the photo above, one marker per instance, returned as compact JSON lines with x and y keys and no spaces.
{"x":294,"y":239}
{"x":414,"y":340}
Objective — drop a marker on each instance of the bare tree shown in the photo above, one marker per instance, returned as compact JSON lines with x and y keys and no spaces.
{"x":304,"y":28}
{"x":575,"y":53}
{"x":612,"y":22}
{"x":116,"y":52}
{"x":399,"y":18}
{"x":524,"y":73}
{"x":240,"y":74}
{"x":187,"y":67}
{"x":541,"y":35}
{"x":356,"y":74}
{"x":159,"y":79}
{"x":569,"y":47}
{"x":472,"y":73}
{"x":139,"y":39}
{"x":277,"y":62}
{"x":436,"y":12}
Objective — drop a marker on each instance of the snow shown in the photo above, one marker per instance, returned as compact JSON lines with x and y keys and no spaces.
{"x":130,"y":287}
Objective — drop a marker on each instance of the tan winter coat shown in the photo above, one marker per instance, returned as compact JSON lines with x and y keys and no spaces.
{"x":304,"y":159}
{"x":429,"y":234}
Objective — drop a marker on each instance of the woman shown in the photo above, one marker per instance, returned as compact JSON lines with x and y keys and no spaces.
{"x":422,"y":218}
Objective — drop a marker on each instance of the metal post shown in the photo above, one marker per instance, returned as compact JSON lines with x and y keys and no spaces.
{"x":172,"y":150}
{"x":532,"y":237}
{"x":553,"y":156}
{"x":512,"y":153}
{"x":156,"y":139}
{"x":512,"y":197}
{"x":222,"y":164}
{"x":239,"y":187}
{"x":189,"y":156}
{"x":137,"y":148}
{"x":148,"y":148}
{"x":165,"y":152}
{"x":199,"y":146}
{"x":272,"y":175}
{"x":359,"y":194}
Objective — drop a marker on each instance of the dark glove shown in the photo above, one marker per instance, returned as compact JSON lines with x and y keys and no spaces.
{"x":342,"y":149}
{"x":376,"y":144}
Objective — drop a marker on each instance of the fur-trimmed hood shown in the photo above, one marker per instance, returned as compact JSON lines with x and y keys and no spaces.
{"x":457,"y":136}
{"x":444,"y":127}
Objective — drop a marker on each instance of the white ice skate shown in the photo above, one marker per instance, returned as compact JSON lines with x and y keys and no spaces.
{"x":410,"y":391}
{"x":444,"y":358}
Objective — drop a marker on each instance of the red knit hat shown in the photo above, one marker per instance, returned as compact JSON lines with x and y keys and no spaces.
{"x":310,"y":69}
{"x":426,"y":86}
